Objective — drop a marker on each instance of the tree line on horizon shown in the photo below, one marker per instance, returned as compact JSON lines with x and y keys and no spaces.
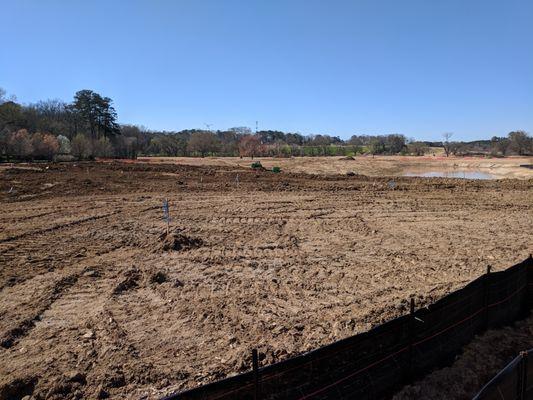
{"x":87,"y":128}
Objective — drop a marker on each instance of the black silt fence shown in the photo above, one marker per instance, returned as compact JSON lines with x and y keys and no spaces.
{"x":515,"y":381}
{"x":375,"y":364}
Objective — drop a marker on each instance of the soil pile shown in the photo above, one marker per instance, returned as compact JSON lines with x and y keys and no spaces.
{"x":176,"y":241}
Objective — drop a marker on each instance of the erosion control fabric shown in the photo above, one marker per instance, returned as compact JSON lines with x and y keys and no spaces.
{"x":515,"y":381}
{"x":376,"y":363}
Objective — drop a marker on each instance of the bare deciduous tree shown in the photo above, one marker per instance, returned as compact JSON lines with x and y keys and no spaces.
{"x":446,"y":143}
{"x":103,"y":147}
{"x":417,"y":148}
{"x":203,"y":143}
{"x":499,"y":145}
{"x":20,"y":144}
{"x":44,"y":146}
{"x":80,"y":147}
{"x":249,"y":146}
{"x":520,"y":142}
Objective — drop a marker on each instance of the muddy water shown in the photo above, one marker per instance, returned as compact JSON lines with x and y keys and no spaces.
{"x":452,"y":174}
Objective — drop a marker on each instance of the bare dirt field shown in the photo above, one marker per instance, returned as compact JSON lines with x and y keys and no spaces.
{"x":95,"y":303}
{"x":498,"y":168}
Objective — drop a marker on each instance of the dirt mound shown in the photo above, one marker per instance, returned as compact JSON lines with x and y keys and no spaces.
{"x":136,"y":278}
{"x":159,"y":277}
{"x":176,"y":241}
{"x":69,"y":385}
{"x":131,"y":281}
{"x":18,"y":388}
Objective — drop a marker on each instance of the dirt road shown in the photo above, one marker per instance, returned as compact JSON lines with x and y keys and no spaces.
{"x":93,"y":303}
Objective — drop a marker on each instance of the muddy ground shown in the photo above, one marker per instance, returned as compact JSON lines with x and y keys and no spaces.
{"x":96,"y":302}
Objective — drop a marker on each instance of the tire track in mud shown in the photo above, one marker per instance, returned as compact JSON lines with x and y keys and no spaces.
{"x":20,"y":215}
{"x":21,"y":253}
{"x":29,"y":217}
{"x":113,"y":359}
{"x":13,"y":335}
{"x":56,"y":227}
{"x":28,"y":267}
{"x":21,"y":329}
{"x":106,"y":357}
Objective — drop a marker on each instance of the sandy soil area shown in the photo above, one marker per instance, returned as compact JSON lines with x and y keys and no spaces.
{"x":499,"y":168}
{"x":94,"y":302}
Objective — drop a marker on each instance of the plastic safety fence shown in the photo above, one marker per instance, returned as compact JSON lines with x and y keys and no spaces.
{"x":374,"y":364}
{"x":515,"y":381}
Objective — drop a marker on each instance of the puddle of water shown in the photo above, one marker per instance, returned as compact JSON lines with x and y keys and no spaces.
{"x":452,"y":174}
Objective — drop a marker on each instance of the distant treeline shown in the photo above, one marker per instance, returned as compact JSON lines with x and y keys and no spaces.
{"x":87,"y":128}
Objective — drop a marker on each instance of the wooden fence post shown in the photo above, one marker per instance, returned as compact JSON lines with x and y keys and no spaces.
{"x":522,"y":375}
{"x":486,"y":299}
{"x":411,"y":338}
{"x":255,"y":366}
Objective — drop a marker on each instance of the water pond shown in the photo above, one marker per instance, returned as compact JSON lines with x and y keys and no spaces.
{"x":471,"y":174}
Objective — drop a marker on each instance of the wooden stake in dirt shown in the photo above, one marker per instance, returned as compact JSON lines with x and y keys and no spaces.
{"x":411,"y":333}
{"x":166,"y":214}
{"x":523,"y":373}
{"x":486,"y":298}
{"x":255,"y":369}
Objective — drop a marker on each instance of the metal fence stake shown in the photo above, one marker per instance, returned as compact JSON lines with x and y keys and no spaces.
{"x":255,"y":366}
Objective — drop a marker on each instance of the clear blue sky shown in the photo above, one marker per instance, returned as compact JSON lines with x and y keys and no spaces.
{"x":338,"y":67}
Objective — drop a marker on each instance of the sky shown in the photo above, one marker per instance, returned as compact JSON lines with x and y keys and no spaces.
{"x":415,"y":67}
